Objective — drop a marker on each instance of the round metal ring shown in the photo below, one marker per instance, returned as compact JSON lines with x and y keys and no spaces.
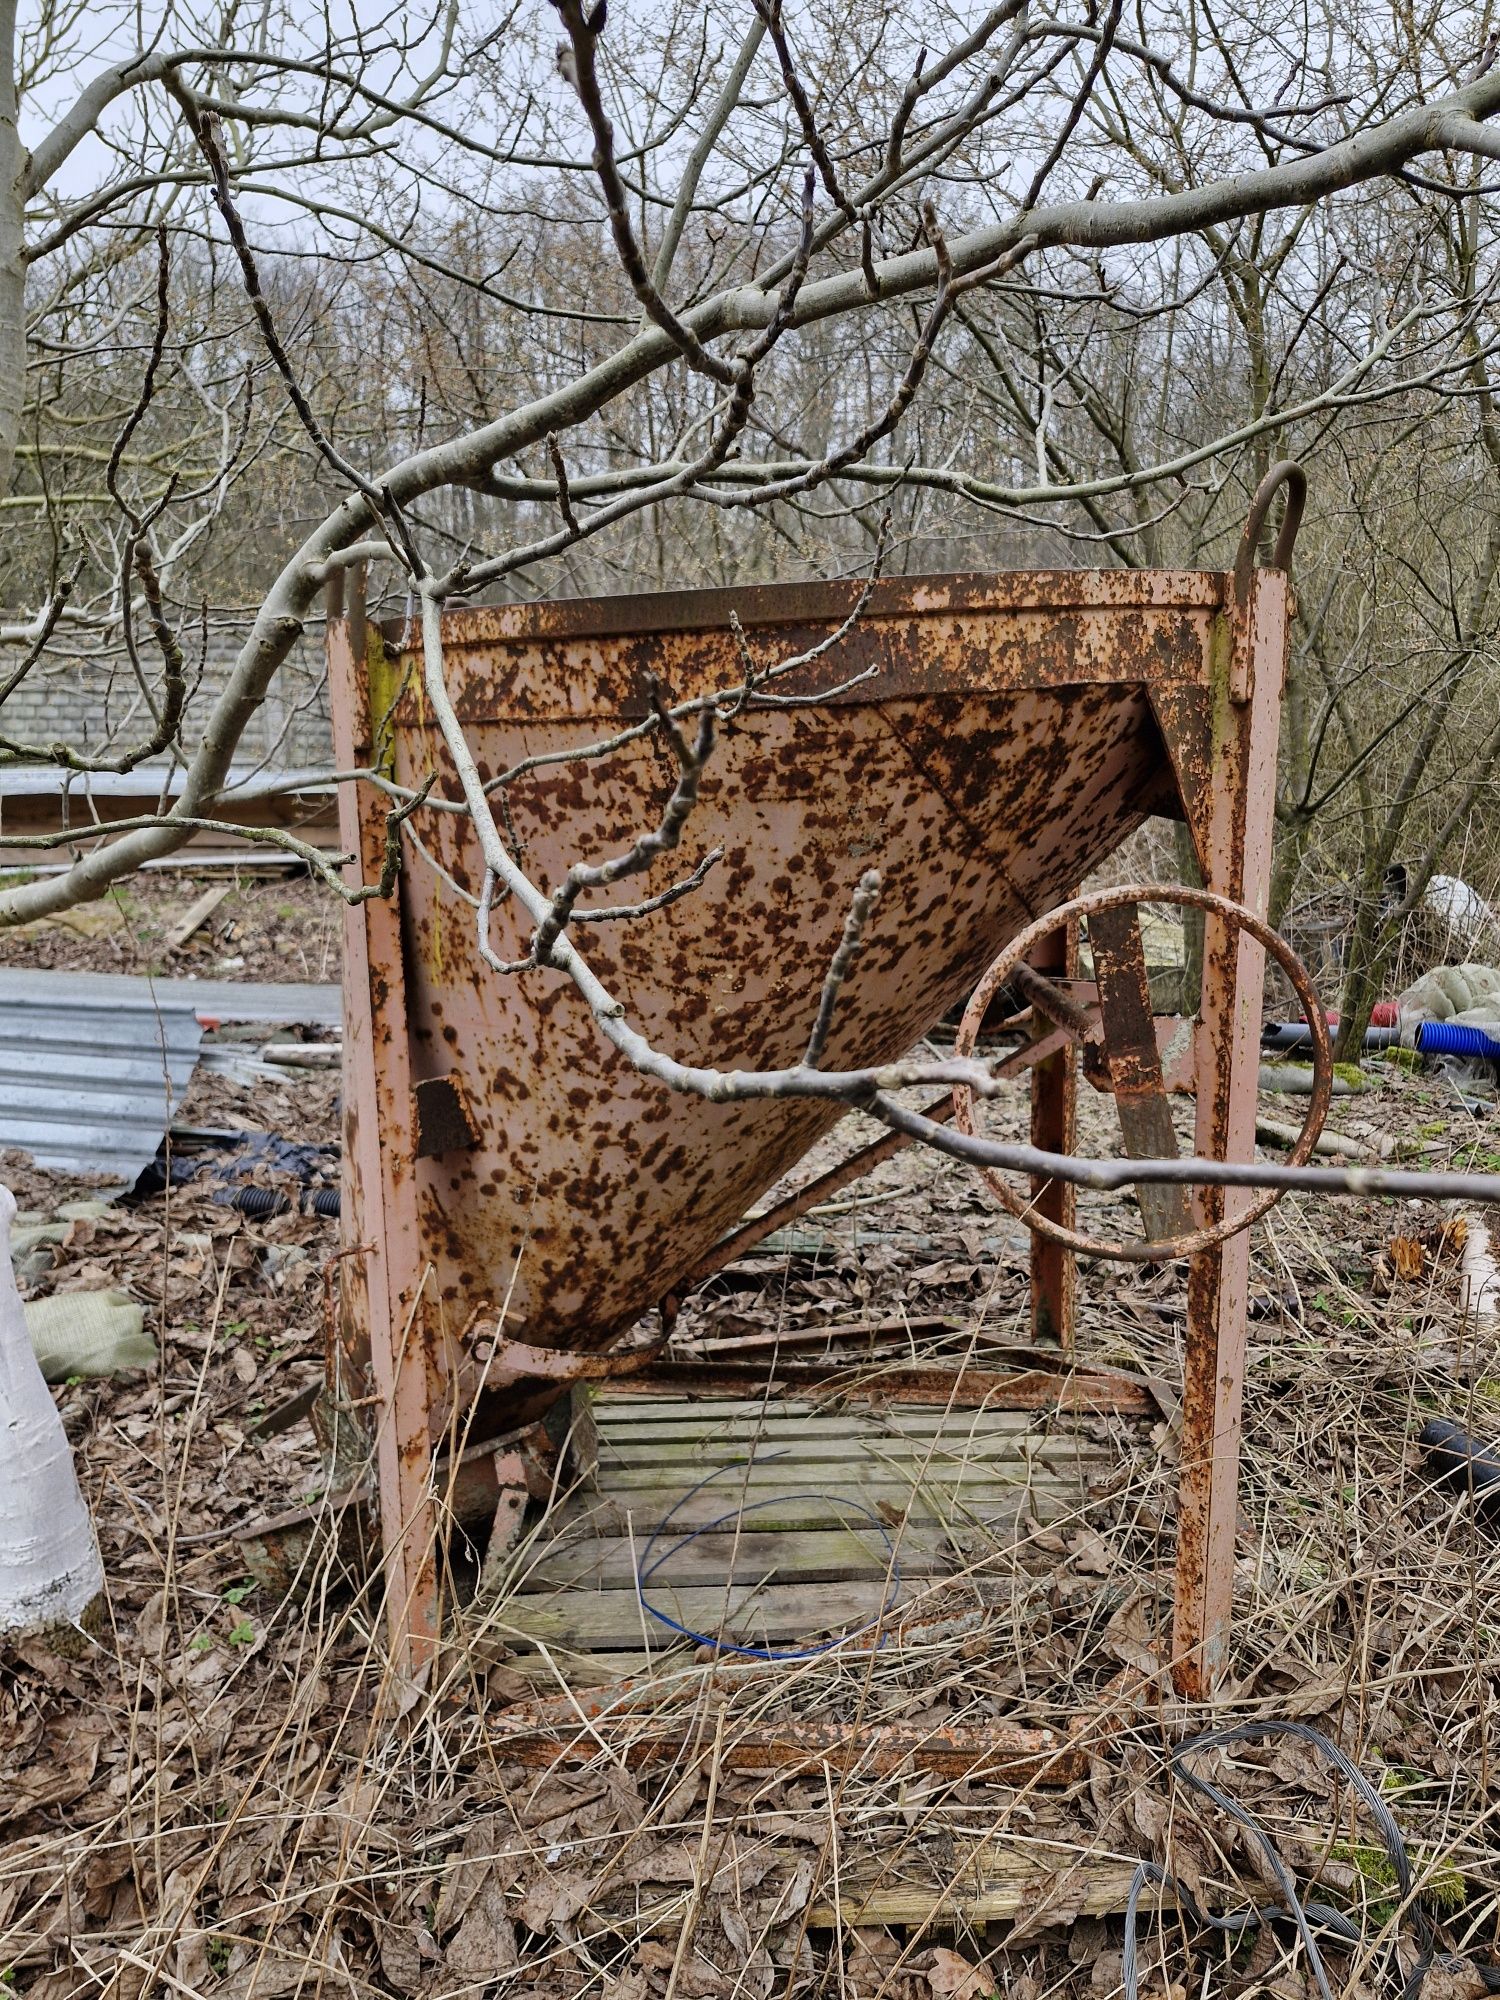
{"x":1150,"y":1250}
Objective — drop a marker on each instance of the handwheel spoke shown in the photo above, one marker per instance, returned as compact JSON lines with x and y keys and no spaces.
{"x":1134,"y":1066}
{"x":1058,"y":1007}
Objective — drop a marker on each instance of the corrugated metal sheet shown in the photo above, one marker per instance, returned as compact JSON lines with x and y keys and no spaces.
{"x":89,"y":1083}
{"x":214,"y":999}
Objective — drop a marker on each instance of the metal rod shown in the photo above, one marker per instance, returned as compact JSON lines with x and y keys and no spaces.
{"x":1109,"y":1176}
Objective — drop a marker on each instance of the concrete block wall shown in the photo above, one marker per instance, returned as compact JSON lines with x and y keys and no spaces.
{"x":94,"y":704}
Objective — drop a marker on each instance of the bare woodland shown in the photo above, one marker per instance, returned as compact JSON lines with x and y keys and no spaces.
{"x":460,"y":306}
{"x":568,"y":302}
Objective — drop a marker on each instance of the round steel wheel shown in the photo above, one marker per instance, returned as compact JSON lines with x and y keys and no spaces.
{"x":1103,"y":904}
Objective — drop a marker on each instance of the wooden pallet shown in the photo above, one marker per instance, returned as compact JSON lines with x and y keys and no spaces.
{"x":807,"y":1520}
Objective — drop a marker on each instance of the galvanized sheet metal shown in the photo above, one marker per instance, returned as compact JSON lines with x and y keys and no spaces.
{"x":89,"y":1084}
{"x":212,"y":999}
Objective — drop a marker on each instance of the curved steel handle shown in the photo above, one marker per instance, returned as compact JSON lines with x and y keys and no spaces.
{"x":1288,"y":473}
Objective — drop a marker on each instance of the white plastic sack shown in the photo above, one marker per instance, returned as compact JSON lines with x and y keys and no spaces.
{"x":49,"y":1561}
{"x":1466,"y":913}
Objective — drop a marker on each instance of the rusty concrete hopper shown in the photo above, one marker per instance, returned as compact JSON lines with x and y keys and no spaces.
{"x":986,"y":741}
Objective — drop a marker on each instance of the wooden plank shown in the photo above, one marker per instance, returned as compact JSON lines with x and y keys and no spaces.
{"x":485,"y":1647}
{"x":787,"y":1614}
{"x":773,"y":1422}
{"x":655,"y":1465}
{"x":615,"y":1408}
{"x":895,"y":1457}
{"x":825,"y":1555}
{"x":196,"y":915}
{"x":722,"y":1346}
{"x":775,"y":1410}
{"x":942,"y":1386}
{"x":989,"y":1884}
{"x":795,"y":1561}
{"x":755,"y":1422}
{"x":991,"y":1511}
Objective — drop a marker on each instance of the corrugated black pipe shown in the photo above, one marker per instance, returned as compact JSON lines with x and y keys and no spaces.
{"x":263,"y":1201}
{"x":1452,"y":1450}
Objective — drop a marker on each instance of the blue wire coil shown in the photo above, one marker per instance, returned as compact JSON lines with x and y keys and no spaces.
{"x":647,"y":1567}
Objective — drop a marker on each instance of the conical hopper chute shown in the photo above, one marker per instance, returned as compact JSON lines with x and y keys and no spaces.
{"x":982,"y":742}
{"x":516,"y":1196}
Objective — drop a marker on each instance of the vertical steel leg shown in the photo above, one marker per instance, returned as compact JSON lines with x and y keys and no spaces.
{"x":1234,"y":824}
{"x":1135,"y":1074}
{"x":1054,"y":1119}
{"x":384,"y":1272}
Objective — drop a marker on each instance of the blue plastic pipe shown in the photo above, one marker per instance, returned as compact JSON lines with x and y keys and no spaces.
{"x":1455,"y":1038}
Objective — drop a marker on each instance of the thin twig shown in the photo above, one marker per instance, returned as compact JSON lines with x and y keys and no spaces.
{"x":564,"y":504}
{"x":861,"y":909}
{"x":584,"y":26}
{"x":691,"y":760}
{"x":770,"y":12}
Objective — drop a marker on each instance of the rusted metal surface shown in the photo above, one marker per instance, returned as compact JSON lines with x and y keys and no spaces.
{"x":1007,"y":734}
{"x":1241,"y":928}
{"x":740,"y":1242}
{"x":1054,"y":1126}
{"x":1005,"y":746}
{"x":440,"y":1116}
{"x":386,"y":1323}
{"x":504,"y":1363}
{"x":1285,"y":473}
{"x":1134,"y":1066}
{"x":992,"y":1753}
{"x":1234,"y":822}
{"x":1046,"y":997}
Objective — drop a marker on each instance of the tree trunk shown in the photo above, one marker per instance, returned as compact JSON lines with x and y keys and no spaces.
{"x":12,"y":254}
{"x":1365,"y":964}
{"x":1292,"y":830}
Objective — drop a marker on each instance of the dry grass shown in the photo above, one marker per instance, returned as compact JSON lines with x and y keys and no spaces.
{"x":225,"y":1796}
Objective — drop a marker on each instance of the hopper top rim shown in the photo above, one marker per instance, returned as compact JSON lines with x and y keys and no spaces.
{"x":763,"y":605}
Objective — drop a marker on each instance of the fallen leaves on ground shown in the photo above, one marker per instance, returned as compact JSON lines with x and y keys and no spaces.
{"x":232,"y":1793}
{"x":953,"y":1978}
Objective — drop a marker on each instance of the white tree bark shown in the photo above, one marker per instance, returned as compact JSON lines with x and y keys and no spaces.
{"x":13,"y":165}
{"x":49,"y":1561}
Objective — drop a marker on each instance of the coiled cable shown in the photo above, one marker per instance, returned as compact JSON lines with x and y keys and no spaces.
{"x":1306,"y":1916}
{"x":647,"y":1567}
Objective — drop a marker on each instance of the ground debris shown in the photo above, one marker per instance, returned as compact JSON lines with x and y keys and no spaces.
{"x":229,"y":1792}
